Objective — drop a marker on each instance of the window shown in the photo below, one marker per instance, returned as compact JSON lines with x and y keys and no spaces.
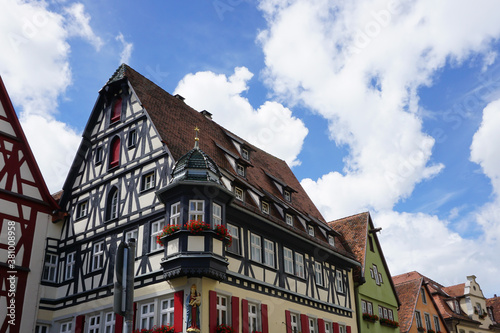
{"x":424,"y":298}
{"x":216,"y":214}
{"x":240,"y":169}
{"x":287,"y":195}
{"x":312,"y":325}
{"x":65,"y":328}
{"x":331,"y":240}
{"x":479,"y":309}
{"x":132,"y":234}
{"x":175,"y":213}
{"x":289,"y":219}
{"x":268,"y":252}
{"x":310,"y":230}
{"x":98,"y":155}
{"x":116,"y":112}
{"x":221,"y":310}
{"x":238,"y":193}
{"x":436,"y":324}
{"x":156,"y":229}
{"x":342,"y":328}
{"x":148,"y":181}
{"x":340,"y":282}
{"x":50,"y":268}
{"x":196,"y":210}
{"x":366,"y":307}
{"x":82,"y":209}
{"x":41,"y":329}
{"x":235,"y":245}
{"x":97,"y":256}
{"x":294,"y":322}
{"x":132,"y":139}
{"x":385,"y":313}
{"x":94,"y":324}
{"x":256,"y":248}
{"x":376,"y":275}
{"x":244,"y":154}
{"x":265,"y":207}
{"x":288,"y":258}
{"x":428,"y":324}
{"x":328,"y":327}
{"x":318,"y":269}
{"x":114,"y":152}
{"x":167,"y":311}
{"x":109,"y":322}
{"x":299,"y":265}
{"x":390,"y":314}
{"x":147,"y":315}
{"x":370,"y":243}
{"x":112,"y":204}
{"x":70,"y":266}
{"x":253,"y":317}
{"x":418,"y":319}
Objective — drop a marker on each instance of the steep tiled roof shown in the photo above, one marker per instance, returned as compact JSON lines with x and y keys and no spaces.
{"x":175,"y":121}
{"x":494,"y":303}
{"x":456,"y":290}
{"x":408,"y":291}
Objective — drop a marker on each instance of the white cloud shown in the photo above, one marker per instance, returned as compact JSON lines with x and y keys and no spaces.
{"x":271,"y":127}
{"x":127,"y":49}
{"x":35,"y":68}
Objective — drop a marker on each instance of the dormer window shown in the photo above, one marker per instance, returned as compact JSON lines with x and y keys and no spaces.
{"x":244,"y":154}
{"x":116,"y":112}
{"x":265,"y":207}
{"x":289,"y":219}
{"x":331,"y":240}
{"x":310,"y":230}
{"x":287,"y":195}
{"x":238,"y":193}
{"x":241,"y":170}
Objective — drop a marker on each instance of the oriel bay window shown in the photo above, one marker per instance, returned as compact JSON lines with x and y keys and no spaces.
{"x":216,"y":214}
{"x":175,"y":213}
{"x":156,"y":229}
{"x":196,"y":210}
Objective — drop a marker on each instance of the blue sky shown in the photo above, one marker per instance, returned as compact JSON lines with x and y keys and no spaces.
{"x":386,"y":106}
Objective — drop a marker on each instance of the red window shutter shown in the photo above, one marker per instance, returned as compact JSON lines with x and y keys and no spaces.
{"x":288,"y":321}
{"x":336,"y":328}
{"x":244,"y":316}
{"x":304,"y":323}
{"x":178,"y":310}
{"x":265,"y":322}
{"x":321,"y":325}
{"x":79,"y":324}
{"x":117,"y":110}
{"x":235,"y":314}
{"x":212,"y":313}
{"x":114,"y":158}
{"x":348,"y":329}
{"x":135,"y":315}
{"x":118,"y":324}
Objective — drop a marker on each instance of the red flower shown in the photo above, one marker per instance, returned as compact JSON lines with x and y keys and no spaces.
{"x":167,"y":230}
{"x":223,"y":234}
{"x":196,"y":226}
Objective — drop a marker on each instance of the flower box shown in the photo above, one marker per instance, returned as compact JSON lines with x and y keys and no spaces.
{"x":167,"y":230}
{"x":431,"y":331}
{"x":421,"y":329}
{"x":224,"y":329}
{"x":370,"y":317}
{"x":156,"y":329}
{"x":389,"y":323}
{"x":223,"y":235}
{"x":196,"y":226}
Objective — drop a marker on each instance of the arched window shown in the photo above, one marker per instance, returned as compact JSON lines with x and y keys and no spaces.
{"x":112,"y":204}
{"x":116,"y":112}
{"x":114,"y":152}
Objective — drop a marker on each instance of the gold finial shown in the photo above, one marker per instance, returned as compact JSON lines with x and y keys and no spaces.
{"x":196,"y":139}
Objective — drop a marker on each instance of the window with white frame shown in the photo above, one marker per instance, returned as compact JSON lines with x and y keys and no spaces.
{"x":287,"y":195}
{"x":312,"y":325}
{"x":175,"y":213}
{"x":94,"y":324}
{"x":112,"y":204}
{"x":340,"y":282}
{"x":65,"y":328}
{"x":428,"y":323}
{"x":238,"y":192}
{"x":167,"y":311}
{"x":256,"y":247}
{"x":299,"y":265}
{"x":39,"y":328}
{"x":268,"y":253}
{"x":265,"y":207}
{"x":82,"y":209}
{"x":294,"y":322}
{"x":148,"y":181}
{"x":147,"y":315}
{"x":109,"y":322}
{"x":289,"y":219}
{"x":50,"y":268}
{"x":240,"y":169}
{"x":156,"y":229}
{"x":369,"y":307}
{"x":328,"y":327}
{"x":424,"y":297}
{"x":70,"y":266}
{"x":216,"y":214}
{"x":222,"y":310}
{"x":437,"y":326}
{"x":132,"y":234}
{"x":253,"y":317}
{"x":235,"y":244}
{"x":310,"y":230}
{"x":342,"y":328}
{"x":97,"y":255}
{"x":244,"y":154}
{"x":196,"y":210}
{"x":318,"y":270}
{"x":418,"y":319}
{"x":288,"y":259}
{"x":331,"y":240}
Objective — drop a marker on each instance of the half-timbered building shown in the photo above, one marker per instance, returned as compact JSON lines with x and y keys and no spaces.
{"x":138,"y":173}
{"x":25,"y":216}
